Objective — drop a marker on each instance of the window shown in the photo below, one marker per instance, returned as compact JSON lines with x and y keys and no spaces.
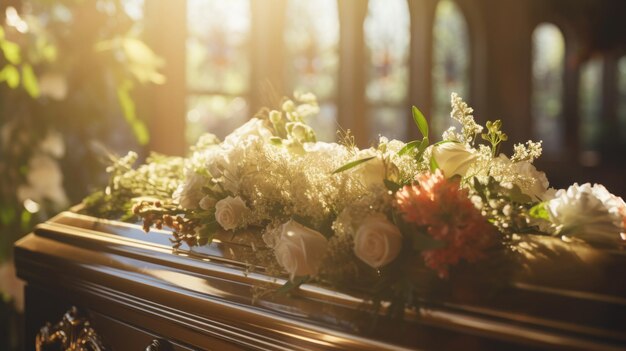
{"x":387,"y":36}
{"x":621,"y":88}
{"x":590,"y":108}
{"x":451,"y":61}
{"x":547,"y":94}
{"x":312,"y":45}
{"x":218,"y":66}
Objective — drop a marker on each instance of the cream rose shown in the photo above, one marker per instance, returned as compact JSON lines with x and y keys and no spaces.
{"x":454,"y":158}
{"x":230,"y":212}
{"x":299,"y":250}
{"x":377,"y":241}
{"x":372,"y":173}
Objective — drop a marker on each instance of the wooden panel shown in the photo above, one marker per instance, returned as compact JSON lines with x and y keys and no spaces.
{"x":201,"y":297}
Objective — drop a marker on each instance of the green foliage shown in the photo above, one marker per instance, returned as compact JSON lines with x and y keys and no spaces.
{"x":128,"y":109}
{"x":10,"y":75}
{"x":416,"y":148}
{"x":29,"y":81}
{"x":433,"y":164}
{"x":410,"y":146}
{"x":391,"y":185}
{"x":540,"y":211}
{"x":420,"y":121}
{"x":11,"y":51}
{"x":157,"y":179}
{"x":352,"y":164}
{"x":494,"y":135}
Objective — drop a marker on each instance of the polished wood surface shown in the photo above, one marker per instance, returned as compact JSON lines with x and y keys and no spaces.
{"x":201,"y":299}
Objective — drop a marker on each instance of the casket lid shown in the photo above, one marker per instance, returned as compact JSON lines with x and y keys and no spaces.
{"x":576,"y":301}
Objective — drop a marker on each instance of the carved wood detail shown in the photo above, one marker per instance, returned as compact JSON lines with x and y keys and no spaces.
{"x":72,"y":333}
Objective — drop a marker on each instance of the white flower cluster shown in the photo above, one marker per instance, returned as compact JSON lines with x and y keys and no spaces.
{"x":529,"y":152}
{"x":463,"y":114}
{"x":589,"y":212}
{"x":271,"y":173}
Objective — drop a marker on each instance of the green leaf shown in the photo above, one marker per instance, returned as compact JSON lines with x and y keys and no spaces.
{"x":421,"y":148}
{"x":352,"y":164}
{"x":25,"y":220}
{"x":409,"y":147}
{"x":423,"y":144}
{"x":128,"y":109}
{"x":423,"y":242}
{"x":276,"y":141}
{"x":11,"y":75}
{"x":11,"y":52}
{"x":391,"y":185}
{"x":206,"y":233}
{"x":516,"y":195}
{"x":292,"y":284}
{"x":433,"y":164}
{"x":420,"y":121}
{"x":7,"y":215}
{"x":540,"y":211}
{"x":141,"y":132}
{"x":444,"y":142}
{"x":29,"y":81}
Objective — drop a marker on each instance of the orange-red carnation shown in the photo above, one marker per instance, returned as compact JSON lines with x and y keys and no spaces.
{"x":444,"y":210}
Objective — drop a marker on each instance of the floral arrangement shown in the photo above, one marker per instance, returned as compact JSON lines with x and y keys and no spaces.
{"x":383,"y":217}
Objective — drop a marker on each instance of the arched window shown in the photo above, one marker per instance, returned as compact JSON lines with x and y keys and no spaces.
{"x":621,"y":88}
{"x":547,"y":95}
{"x":451,"y":61}
{"x":218,"y":67}
{"x":312,"y":45}
{"x":387,"y":36}
{"x":590,"y":109}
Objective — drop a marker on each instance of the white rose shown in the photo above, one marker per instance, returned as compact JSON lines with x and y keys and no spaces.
{"x":588,"y":212}
{"x":230,"y":212}
{"x":299,"y":250}
{"x":254,"y":128}
{"x":454,"y":158}
{"x":377,"y":241}
{"x":189,"y":194}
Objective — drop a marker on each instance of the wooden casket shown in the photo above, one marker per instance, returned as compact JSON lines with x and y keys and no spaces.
{"x":101,"y":284}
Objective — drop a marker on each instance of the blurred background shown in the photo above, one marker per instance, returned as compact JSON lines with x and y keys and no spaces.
{"x":81,"y":80}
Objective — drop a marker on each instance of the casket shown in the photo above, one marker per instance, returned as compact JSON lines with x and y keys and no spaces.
{"x":107,"y":285}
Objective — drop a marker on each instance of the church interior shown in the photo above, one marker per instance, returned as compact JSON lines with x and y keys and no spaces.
{"x":85,"y":81}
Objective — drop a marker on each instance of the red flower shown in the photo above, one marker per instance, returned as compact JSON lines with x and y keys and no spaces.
{"x":444,"y":210}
